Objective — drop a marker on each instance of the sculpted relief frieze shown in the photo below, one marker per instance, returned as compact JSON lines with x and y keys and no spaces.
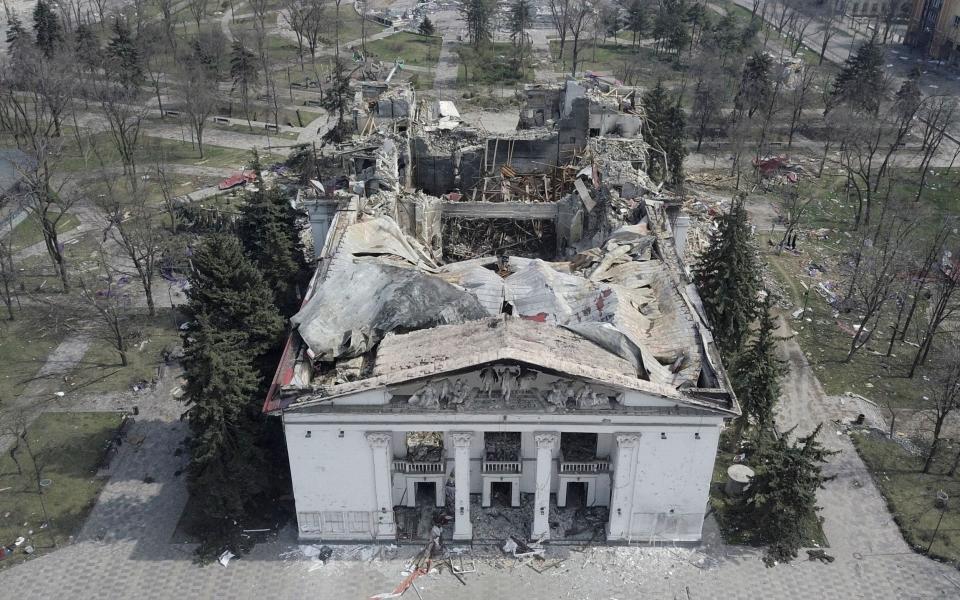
{"x":509,"y":386}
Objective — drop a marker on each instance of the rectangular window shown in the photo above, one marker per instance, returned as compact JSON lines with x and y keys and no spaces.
{"x":359,"y":522}
{"x":333,"y":522}
{"x":309,"y":521}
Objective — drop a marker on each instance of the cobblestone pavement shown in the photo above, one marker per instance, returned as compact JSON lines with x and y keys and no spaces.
{"x":125,"y":549}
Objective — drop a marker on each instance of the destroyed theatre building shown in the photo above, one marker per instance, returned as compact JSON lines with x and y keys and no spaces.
{"x":500,"y":337}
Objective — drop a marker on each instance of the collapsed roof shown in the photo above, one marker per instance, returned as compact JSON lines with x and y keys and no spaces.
{"x":607,"y":301}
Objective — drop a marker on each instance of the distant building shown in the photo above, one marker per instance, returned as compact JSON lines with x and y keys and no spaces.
{"x":935,"y":28}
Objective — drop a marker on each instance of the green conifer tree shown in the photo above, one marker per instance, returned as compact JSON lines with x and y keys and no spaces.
{"x":228,"y":292}
{"x":780,"y":506}
{"x":426,"y":26}
{"x":268,"y":231}
{"x":225,"y":471}
{"x":666,"y":122}
{"x":124,"y":57}
{"x":860,"y":84}
{"x":46,"y":28}
{"x":756,"y":374}
{"x":728,"y":278}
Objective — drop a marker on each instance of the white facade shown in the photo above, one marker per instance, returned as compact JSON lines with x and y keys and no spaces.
{"x":652,"y":468}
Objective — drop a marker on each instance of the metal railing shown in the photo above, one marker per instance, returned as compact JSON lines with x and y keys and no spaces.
{"x":501,"y":466}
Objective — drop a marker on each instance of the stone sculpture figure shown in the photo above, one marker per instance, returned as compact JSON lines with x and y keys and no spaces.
{"x":426,"y":397}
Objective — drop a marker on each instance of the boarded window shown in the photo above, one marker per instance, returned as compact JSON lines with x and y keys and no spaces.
{"x":309,"y":521}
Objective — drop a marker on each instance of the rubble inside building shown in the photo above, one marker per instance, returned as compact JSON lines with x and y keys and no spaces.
{"x":471,"y":275}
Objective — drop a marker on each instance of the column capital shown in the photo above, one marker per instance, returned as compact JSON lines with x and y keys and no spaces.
{"x":628,"y":440}
{"x":379,"y":439}
{"x":461,"y":439}
{"x":547,"y":439}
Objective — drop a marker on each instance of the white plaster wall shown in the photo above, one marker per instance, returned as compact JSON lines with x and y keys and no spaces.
{"x":672,"y":483}
{"x":330,"y":473}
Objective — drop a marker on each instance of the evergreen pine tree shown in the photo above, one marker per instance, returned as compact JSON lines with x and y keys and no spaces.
{"x":228,"y":292}
{"x":781,"y":503}
{"x":225,"y":470}
{"x":87,"y":46}
{"x":338,"y":97}
{"x":728,"y":278}
{"x":46,"y":28}
{"x":426,"y":26}
{"x":638,"y":20}
{"x":756,"y":374}
{"x":124,"y":57}
{"x":860,"y":84}
{"x":15,"y":31}
{"x":666,"y":121}
{"x":755,"y":84}
{"x":268,"y":231}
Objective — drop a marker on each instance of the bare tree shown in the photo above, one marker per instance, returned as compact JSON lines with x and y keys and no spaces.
{"x":198,"y":9}
{"x":937,"y":116}
{"x":8,"y":276}
{"x":580,"y":15}
{"x":942,"y":306}
{"x":34,"y":92}
{"x":877,"y":268}
{"x":930,"y":260}
{"x":799,"y":98}
{"x":294,"y":13}
{"x":795,"y":205}
{"x":943,"y":397}
{"x":168,"y":17}
{"x":131,"y":222}
{"x":829,"y":26}
{"x":560,"y":16}
{"x":125,"y":115}
{"x":109,"y":308}
{"x":198,"y":95}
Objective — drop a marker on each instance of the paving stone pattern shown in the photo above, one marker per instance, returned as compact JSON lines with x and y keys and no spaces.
{"x":124,"y":551}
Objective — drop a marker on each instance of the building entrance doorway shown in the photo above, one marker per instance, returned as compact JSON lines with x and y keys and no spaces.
{"x":501,"y":493}
{"x":577,"y":494}
{"x":426,"y":493}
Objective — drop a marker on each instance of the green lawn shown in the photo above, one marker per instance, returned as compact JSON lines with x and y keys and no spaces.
{"x":910,"y":494}
{"x":24,"y":346}
{"x":492,"y":64}
{"x":100,"y":370}
{"x":152,"y":149}
{"x":67,"y":449}
{"x":28,"y":232}
{"x":825,"y":337}
{"x":419,"y":50}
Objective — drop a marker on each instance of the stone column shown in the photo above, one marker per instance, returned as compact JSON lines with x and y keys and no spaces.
{"x":624,"y":479}
{"x":462,"y":527}
{"x":381,"y":444}
{"x":546,"y":443}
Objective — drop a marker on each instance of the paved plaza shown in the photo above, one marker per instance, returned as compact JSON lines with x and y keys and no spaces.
{"x":125,"y":549}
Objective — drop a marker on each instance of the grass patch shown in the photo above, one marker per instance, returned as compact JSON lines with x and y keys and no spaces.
{"x":68,"y":448}
{"x":75,"y":159}
{"x":910,"y":494}
{"x":492,"y":64}
{"x":419,"y":50}
{"x":24,"y":345}
{"x":28,"y":232}
{"x":100,"y":370}
{"x":824,"y":333}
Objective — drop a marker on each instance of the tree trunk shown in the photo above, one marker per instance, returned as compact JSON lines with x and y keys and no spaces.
{"x":935,"y":445}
